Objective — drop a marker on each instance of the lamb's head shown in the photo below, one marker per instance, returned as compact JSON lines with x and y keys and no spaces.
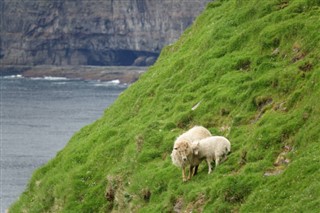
{"x":195,"y":147}
{"x":183,"y":149}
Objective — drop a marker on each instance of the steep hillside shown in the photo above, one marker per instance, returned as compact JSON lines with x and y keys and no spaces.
{"x":253,"y":68}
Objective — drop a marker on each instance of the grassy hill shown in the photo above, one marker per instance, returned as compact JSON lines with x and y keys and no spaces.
{"x":253,"y":68}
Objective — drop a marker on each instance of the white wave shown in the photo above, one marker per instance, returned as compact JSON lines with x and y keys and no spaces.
{"x":51,"y":78}
{"x":107,"y":83}
{"x":36,"y":78}
{"x":102,"y":85}
{"x":117,"y":81}
{"x":60,"y":83}
{"x":13,"y":76}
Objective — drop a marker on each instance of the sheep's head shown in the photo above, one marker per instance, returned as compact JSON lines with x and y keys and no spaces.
{"x":195,"y":147}
{"x":183,"y":149}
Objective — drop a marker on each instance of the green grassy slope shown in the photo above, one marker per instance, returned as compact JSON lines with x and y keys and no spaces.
{"x":254,"y":68}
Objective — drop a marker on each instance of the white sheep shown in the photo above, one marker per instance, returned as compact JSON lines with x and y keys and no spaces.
{"x":212,"y":148}
{"x":182,"y":153}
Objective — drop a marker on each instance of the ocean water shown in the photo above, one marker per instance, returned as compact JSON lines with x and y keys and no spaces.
{"x":38,"y":117}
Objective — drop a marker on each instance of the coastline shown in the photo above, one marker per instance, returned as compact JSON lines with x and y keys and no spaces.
{"x":125,"y":74}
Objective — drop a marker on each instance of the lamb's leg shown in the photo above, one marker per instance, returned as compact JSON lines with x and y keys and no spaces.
{"x":217,"y":160}
{"x":209,"y":165}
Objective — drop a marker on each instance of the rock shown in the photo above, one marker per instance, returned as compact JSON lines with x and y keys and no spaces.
{"x":124,"y":74}
{"x":150,"y":60}
{"x":273,"y":172}
{"x":140,"y":61}
{"x":178,"y":205}
{"x":280,"y":163}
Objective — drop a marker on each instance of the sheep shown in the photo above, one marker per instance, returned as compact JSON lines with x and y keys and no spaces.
{"x":182,"y":153}
{"x":212,"y":148}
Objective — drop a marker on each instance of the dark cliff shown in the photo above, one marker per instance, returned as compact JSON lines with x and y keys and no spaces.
{"x":69,"y":32}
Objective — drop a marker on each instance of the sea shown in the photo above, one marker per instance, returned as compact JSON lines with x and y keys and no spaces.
{"x":38,"y":117}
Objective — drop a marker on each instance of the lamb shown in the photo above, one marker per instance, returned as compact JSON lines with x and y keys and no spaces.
{"x":182,"y":153}
{"x":212,"y":148}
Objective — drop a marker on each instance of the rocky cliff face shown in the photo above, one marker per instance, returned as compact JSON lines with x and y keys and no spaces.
{"x":99,"y":32}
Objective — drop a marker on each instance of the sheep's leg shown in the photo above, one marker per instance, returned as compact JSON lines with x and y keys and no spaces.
{"x":209,"y":165}
{"x":184,"y":174}
{"x":190,"y":172}
{"x":224,"y":157}
{"x":195,"y":170}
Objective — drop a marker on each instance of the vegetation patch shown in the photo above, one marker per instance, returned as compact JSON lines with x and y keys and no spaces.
{"x":246,"y":70}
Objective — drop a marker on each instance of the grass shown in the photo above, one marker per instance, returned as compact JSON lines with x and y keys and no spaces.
{"x":253,"y":69}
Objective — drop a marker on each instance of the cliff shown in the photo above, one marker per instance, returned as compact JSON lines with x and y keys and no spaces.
{"x":252,"y":70}
{"x":69,"y":32}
